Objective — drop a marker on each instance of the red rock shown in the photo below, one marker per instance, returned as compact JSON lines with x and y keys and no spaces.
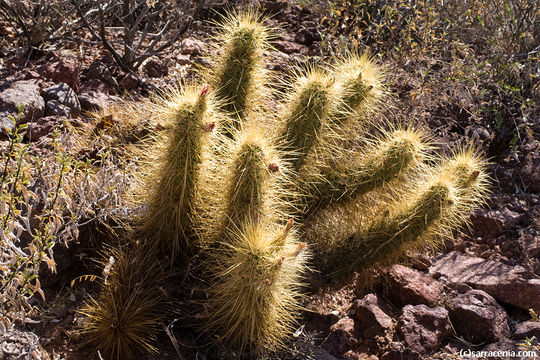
{"x":398,"y":351}
{"x":315,"y":321}
{"x":531,"y":244}
{"x":96,"y":85}
{"x":65,"y":70}
{"x":423,"y":329}
{"x":130,"y":81}
{"x":307,"y":35}
{"x":507,"y":284}
{"x":477,"y":317}
{"x":94,"y":100}
{"x":61,"y":100}
{"x":527,"y":329}
{"x":341,"y":338}
{"x":373,"y":315}
{"x":408,"y":286}
{"x":183,"y":59}
{"x":508,"y":347}
{"x":355,"y":355}
{"x":420,"y":261}
{"x":192,"y":46}
{"x":43,"y":127}
{"x":492,"y":222}
{"x":530,"y":171}
{"x":288,"y":47}
{"x":99,"y":70}
{"x":155,"y":68}
{"x":24,"y":92}
{"x":344,"y":324}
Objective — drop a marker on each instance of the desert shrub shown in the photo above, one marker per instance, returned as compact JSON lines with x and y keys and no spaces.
{"x":146,"y":28}
{"x":485,"y":53}
{"x":42,"y":24}
{"x":47,"y":193}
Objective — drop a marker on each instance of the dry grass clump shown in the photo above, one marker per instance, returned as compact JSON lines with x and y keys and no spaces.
{"x":47,"y":192}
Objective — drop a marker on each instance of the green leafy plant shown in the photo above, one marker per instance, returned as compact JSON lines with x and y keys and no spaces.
{"x":46,"y":194}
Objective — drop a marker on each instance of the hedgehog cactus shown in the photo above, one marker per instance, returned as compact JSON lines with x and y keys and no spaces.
{"x":229,"y":196}
{"x":238,"y":75}
{"x":255,"y":282}
{"x":171,"y":187}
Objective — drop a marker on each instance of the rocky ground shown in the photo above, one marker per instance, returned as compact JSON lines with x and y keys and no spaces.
{"x":476,"y":294}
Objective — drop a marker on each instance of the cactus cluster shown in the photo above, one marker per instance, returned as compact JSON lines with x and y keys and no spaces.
{"x":246,"y":198}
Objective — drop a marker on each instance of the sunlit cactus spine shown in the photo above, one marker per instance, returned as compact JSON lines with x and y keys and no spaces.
{"x":255,"y":282}
{"x":386,"y":161}
{"x":440,"y":206}
{"x":253,"y":262}
{"x":172,"y":182}
{"x":246,"y":180}
{"x":237,"y":74}
{"x":359,"y":81}
{"x":305,"y":123}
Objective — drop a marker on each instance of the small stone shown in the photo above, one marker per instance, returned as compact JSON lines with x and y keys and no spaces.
{"x":527,"y":329}
{"x":398,"y":351}
{"x":100,"y":71}
{"x":423,"y":328}
{"x":61,"y":100}
{"x":192,"y":46}
{"x":373,"y":315}
{"x":183,"y":59}
{"x":506,"y":347}
{"x":288,"y":47}
{"x":409,"y":286}
{"x":492,"y":222}
{"x":478,"y":317}
{"x":155,"y":68}
{"x":64,"y":70}
{"x":308,"y":35}
{"x":130,"y":81}
{"x":341,"y":338}
{"x":25,"y":92}
{"x":43,"y":127}
{"x":531,"y":244}
{"x":94,"y":100}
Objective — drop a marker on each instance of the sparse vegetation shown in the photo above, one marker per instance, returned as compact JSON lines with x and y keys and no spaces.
{"x":215,"y":199}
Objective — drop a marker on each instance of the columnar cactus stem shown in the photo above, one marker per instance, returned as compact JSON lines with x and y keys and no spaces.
{"x":359,"y":83}
{"x":246,"y":189}
{"x":307,"y":108}
{"x":468,"y":170}
{"x":386,"y":159}
{"x":173,"y":188}
{"x":238,"y":74}
{"x":256,"y":279}
{"x":388,"y":237}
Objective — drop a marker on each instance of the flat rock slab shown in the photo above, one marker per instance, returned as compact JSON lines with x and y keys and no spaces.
{"x":507,"y":284}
